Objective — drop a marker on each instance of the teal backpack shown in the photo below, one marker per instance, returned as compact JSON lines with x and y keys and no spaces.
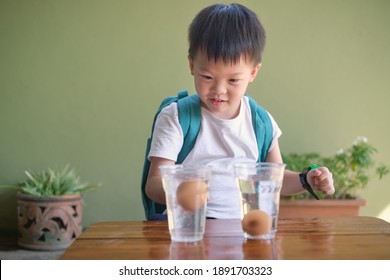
{"x":189,"y":112}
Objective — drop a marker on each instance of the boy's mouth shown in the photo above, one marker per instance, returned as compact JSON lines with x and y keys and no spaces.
{"x":217,"y":101}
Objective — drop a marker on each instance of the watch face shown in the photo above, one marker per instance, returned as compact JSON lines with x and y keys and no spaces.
{"x":303,"y":178}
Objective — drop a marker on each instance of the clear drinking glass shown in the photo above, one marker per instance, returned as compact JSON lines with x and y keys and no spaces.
{"x":186,"y":191}
{"x":259,"y":185}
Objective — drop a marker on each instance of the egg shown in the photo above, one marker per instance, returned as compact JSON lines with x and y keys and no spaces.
{"x":256,"y":222}
{"x":192,"y":194}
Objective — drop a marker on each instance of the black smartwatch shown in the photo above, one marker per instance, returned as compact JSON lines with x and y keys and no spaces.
{"x":305,"y":183}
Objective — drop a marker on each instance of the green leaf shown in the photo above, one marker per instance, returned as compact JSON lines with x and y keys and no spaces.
{"x":51,"y":182}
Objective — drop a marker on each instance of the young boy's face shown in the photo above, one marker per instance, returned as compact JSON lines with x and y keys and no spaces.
{"x":220,"y":85}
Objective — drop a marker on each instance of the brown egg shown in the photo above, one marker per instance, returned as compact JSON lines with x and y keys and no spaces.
{"x":192,"y":194}
{"x":256,"y":222}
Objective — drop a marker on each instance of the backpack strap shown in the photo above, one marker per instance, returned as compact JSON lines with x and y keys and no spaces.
{"x":190,"y":115}
{"x":262,"y":126}
{"x":189,"y":112}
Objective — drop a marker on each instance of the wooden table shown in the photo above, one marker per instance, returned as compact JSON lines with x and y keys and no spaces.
{"x":332,"y":238}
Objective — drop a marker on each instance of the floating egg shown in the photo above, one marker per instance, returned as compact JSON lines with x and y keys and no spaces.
{"x":192,"y":194}
{"x":256,"y":222}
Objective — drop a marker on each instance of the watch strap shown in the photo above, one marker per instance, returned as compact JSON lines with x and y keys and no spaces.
{"x":305,"y":183}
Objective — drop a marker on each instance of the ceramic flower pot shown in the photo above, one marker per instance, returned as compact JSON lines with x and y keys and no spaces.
{"x":48,"y":222}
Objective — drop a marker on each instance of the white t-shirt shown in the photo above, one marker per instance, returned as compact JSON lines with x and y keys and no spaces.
{"x":220,"y":144}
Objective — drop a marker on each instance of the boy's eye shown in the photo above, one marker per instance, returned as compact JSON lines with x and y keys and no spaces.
{"x":206,"y":77}
{"x":234,"y":80}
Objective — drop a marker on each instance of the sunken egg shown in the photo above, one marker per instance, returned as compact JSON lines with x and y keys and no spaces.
{"x":192,"y":194}
{"x":256,"y":222}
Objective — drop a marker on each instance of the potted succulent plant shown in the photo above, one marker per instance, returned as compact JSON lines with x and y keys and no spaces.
{"x":352,"y":169}
{"x":50,"y":209}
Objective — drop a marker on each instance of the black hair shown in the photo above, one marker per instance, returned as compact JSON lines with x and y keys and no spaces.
{"x":227,"y":32}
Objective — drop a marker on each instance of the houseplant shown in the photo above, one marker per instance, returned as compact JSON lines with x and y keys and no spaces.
{"x":50,"y":208}
{"x":352,"y":170}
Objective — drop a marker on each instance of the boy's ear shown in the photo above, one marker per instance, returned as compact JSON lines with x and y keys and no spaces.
{"x":254,"y":72}
{"x":191,"y":64}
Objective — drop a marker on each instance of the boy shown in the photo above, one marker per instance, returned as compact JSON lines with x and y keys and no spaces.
{"x":225,"y":48}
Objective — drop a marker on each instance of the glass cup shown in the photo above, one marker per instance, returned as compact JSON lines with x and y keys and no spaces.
{"x":186,"y":192}
{"x":259,"y":185}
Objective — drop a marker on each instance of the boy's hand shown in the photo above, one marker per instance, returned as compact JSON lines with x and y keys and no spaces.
{"x":321,"y":179}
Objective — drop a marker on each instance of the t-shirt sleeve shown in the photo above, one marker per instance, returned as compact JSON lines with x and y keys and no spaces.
{"x":167,"y":134}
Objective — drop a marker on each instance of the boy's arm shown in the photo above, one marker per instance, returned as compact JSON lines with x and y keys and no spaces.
{"x":320,"y":179}
{"x":154,"y":188}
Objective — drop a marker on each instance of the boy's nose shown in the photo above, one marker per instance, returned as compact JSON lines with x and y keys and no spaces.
{"x":219,"y":89}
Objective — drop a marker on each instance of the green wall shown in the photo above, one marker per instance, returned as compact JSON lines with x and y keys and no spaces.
{"x":80,"y":81}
